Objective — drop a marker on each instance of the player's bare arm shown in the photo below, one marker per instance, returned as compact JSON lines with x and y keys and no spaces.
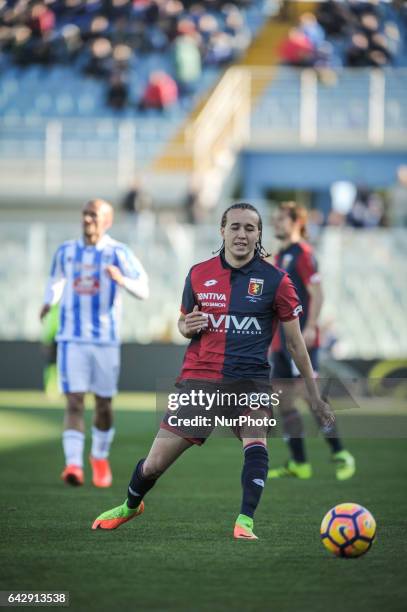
{"x":192,"y":323}
{"x":138,"y":287}
{"x":299,"y":353}
{"x":316,"y":299}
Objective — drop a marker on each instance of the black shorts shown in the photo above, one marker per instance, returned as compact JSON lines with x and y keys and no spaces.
{"x":201,"y":406}
{"x":282,"y":366}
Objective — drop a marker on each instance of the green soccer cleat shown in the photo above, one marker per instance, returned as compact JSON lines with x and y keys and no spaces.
{"x":112,"y":519}
{"x":244,"y":528}
{"x":344,"y":465}
{"x":292,"y":469}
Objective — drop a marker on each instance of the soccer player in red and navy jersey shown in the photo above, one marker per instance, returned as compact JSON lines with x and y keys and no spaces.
{"x":296,"y":257}
{"x":230,"y":309}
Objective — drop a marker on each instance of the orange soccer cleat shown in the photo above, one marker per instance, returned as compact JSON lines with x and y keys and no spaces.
{"x":112,"y":519}
{"x":243,"y":533}
{"x":101,"y":472}
{"x":73,"y":475}
{"x":244,"y":528}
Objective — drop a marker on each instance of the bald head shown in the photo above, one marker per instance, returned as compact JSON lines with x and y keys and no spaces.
{"x":104,"y":207}
{"x":97,"y":217}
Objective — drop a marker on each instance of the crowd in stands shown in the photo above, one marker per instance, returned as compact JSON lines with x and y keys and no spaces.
{"x":357,"y":206}
{"x":106,"y":39}
{"x":351,"y":33}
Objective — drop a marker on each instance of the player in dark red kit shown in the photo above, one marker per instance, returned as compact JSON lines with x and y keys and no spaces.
{"x":296,"y":257}
{"x":231,"y":306}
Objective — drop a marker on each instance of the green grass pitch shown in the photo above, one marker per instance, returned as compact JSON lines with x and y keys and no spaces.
{"x":180,"y":554}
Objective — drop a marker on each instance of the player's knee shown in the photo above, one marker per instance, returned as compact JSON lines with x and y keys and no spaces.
{"x":103,"y":404}
{"x":76,"y":404}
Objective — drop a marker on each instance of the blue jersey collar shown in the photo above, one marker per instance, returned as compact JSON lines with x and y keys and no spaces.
{"x":246,"y":269}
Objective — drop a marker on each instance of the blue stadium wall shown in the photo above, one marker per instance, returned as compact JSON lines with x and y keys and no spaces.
{"x":316,"y":170}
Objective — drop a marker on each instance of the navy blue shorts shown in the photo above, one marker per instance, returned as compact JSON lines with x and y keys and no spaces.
{"x":282,"y":366}
{"x":196,"y":424}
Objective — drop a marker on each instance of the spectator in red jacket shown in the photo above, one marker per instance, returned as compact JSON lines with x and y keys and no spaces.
{"x":161,"y":91}
{"x":42,"y":20}
{"x":297,"y":49}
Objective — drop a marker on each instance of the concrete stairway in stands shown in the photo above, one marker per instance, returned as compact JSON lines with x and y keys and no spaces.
{"x":262,"y":52}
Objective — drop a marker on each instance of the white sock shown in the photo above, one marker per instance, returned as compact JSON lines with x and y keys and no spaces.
{"x":73,"y":442}
{"x":101,"y":441}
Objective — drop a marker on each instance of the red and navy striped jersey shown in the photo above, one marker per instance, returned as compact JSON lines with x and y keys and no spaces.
{"x":244,"y":306}
{"x":299,"y":262}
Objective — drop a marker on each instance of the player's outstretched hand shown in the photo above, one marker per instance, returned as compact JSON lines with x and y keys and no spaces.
{"x":115,"y":274}
{"x":324,"y":413}
{"x":44,"y":311}
{"x":195,"y":321}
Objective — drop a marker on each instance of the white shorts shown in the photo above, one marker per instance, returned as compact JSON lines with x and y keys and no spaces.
{"x":85,"y":367}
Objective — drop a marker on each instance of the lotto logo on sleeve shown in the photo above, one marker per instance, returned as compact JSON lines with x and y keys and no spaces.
{"x":255,"y":286}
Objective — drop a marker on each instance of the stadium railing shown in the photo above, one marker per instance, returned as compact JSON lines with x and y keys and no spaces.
{"x":364,"y":108}
{"x":363,"y":280}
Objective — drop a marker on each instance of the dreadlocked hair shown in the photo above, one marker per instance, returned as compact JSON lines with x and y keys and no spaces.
{"x":259,"y":249}
{"x":296,"y":212}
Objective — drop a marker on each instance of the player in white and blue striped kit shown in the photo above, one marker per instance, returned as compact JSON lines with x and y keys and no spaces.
{"x":86,"y":279}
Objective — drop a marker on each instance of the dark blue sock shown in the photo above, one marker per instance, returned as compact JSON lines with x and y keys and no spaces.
{"x":294,"y":432}
{"x":297,"y":449}
{"x":254,"y":474}
{"x":333,"y":439}
{"x":138,"y":486}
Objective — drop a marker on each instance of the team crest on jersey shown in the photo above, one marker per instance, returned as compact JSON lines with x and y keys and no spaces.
{"x":86,"y":285}
{"x":287,"y":259}
{"x":255,"y":287}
